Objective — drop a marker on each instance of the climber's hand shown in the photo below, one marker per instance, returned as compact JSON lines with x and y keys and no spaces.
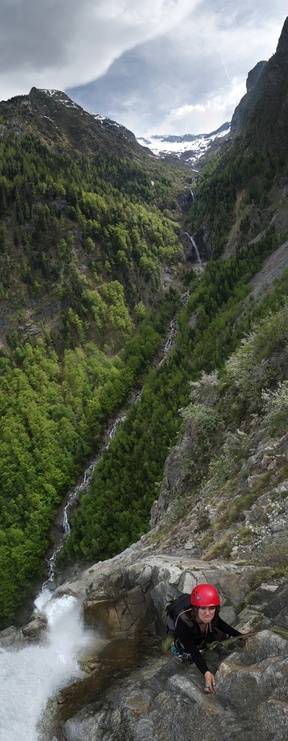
{"x":209,"y":682}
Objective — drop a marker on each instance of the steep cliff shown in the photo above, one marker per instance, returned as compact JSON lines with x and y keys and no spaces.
{"x":242,"y":109}
{"x":261,"y":117}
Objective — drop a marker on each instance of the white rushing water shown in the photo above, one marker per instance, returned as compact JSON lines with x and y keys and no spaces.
{"x":31,"y":675}
{"x":194,"y":245}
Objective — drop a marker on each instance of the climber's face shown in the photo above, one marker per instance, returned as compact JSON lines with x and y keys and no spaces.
{"x":206,"y":614}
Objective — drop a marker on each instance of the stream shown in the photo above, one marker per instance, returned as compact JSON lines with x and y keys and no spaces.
{"x":88,"y":473}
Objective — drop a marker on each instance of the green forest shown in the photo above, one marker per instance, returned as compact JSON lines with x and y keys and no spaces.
{"x":91,"y":236}
{"x":126,"y":477}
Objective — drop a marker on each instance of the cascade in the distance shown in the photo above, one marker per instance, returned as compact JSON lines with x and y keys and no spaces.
{"x":194,"y":245}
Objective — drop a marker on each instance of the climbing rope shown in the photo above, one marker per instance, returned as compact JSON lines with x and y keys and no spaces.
{"x":187,"y":658}
{"x":280,"y":631}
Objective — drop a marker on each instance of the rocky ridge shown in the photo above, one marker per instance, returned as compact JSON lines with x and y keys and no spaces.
{"x":61,"y":123}
{"x":216,"y":524}
{"x":261,"y":117}
{"x":241,"y":109}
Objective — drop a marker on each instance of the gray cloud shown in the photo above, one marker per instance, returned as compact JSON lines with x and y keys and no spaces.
{"x":191,"y":78}
{"x":74,"y":41}
{"x":35,"y":34}
{"x":148,"y":64}
{"x":149,"y":81}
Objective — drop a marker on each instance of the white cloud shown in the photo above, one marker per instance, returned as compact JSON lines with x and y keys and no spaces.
{"x":206,"y":116}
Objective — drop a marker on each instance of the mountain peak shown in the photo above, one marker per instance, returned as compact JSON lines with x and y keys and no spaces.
{"x":63,"y":124}
{"x":282,"y":47}
{"x":44,"y":96}
{"x":260,"y":119}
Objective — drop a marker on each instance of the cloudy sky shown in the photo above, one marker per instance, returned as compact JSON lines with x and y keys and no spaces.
{"x":156,"y":66}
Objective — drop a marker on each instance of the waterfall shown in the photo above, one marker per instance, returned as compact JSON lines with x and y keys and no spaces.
{"x":194,"y":245}
{"x":31,"y":675}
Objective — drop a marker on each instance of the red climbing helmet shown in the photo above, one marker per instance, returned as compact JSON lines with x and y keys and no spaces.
{"x":204,"y":595}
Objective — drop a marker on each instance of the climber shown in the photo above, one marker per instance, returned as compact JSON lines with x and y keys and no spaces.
{"x":195,"y":622}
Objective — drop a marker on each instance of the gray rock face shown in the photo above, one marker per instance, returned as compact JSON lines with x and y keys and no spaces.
{"x":32,"y":632}
{"x":167,"y":701}
{"x":242,"y":108}
{"x":276,"y":610}
{"x":152,"y":695}
{"x":261,"y":117}
{"x":255,"y":529}
{"x":11,"y":637}
{"x":253,"y":75}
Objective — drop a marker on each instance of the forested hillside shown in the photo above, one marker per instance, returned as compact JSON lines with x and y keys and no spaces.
{"x":89,"y":223}
{"x":124,"y":486}
{"x":92,"y":272}
{"x":239,"y":219}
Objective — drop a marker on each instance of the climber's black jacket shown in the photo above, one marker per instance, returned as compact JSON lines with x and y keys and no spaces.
{"x":192,"y":640}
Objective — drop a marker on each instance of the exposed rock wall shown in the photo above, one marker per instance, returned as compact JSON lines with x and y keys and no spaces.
{"x":166,"y":701}
{"x":134,"y":690}
{"x":261,"y":117}
{"x":238,"y":118}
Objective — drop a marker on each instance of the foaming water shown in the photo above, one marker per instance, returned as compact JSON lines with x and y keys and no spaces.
{"x":31,"y":675}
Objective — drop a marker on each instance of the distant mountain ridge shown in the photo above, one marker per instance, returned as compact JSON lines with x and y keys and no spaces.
{"x":192,"y":148}
{"x":260,"y":118}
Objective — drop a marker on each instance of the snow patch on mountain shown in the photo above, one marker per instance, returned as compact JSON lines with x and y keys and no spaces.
{"x":188,"y":146}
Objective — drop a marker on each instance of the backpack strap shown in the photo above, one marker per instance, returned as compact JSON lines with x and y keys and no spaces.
{"x":183,"y":612}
